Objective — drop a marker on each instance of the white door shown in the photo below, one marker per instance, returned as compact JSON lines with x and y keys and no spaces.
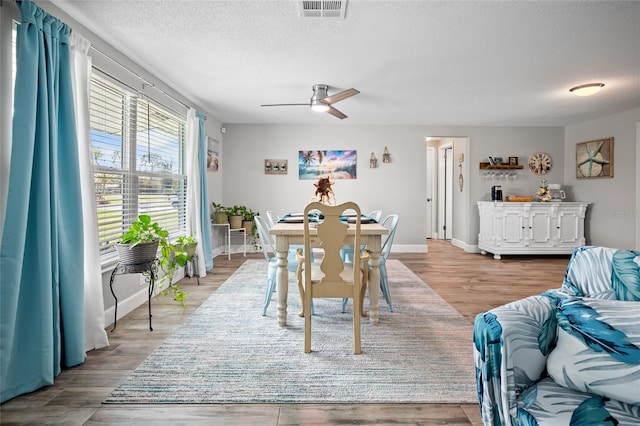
{"x":431,"y":192}
{"x":445,"y":192}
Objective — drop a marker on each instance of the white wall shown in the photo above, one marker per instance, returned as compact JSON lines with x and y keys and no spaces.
{"x":613,"y":217}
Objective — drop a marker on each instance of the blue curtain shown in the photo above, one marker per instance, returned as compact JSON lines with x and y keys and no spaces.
{"x":41,"y":267}
{"x":204,"y":198}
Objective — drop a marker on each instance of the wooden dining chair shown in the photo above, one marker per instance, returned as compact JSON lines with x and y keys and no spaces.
{"x":331,"y":277}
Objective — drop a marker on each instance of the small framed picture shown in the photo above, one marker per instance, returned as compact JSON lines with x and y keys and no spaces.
{"x":513,"y":161}
{"x":276,"y":167}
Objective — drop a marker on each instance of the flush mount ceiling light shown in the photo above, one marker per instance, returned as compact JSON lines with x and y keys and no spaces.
{"x":586,"y":89}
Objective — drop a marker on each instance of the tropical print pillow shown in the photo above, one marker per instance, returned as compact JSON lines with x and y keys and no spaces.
{"x":598,"y":348}
{"x":604,"y":273}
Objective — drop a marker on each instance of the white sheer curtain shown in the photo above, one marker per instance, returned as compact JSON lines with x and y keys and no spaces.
{"x":94,"y":334}
{"x":194,"y":222}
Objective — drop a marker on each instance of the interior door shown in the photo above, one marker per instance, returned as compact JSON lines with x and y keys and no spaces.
{"x":431,"y":192}
{"x":448,"y":193}
{"x":445,"y":191}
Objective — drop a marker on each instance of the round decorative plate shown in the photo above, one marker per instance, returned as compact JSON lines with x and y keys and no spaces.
{"x":540,"y":163}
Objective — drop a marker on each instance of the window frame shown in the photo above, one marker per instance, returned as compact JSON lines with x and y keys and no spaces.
{"x":129,"y":172}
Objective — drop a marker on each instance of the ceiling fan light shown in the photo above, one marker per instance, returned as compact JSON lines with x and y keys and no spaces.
{"x":586,"y":89}
{"x":319,"y":106}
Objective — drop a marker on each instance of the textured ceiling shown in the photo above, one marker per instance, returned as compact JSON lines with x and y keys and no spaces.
{"x":414,"y":62}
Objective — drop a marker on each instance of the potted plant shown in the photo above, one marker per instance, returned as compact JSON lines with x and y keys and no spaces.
{"x":247,"y":219}
{"x":219,"y":213}
{"x":140,"y":243}
{"x":235,"y":216}
{"x":187,"y":244}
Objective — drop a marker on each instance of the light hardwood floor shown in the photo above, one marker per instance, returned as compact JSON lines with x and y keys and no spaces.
{"x":471,"y":283}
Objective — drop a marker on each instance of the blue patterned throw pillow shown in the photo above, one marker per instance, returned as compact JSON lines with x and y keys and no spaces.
{"x":598,"y":348}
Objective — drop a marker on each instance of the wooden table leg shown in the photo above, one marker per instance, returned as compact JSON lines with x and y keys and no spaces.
{"x":282,"y":278}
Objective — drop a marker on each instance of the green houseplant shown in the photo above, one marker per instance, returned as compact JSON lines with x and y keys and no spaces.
{"x":187,"y":244}
{"x":140,"y":243}
{"x":247,"y":220}
{"x":173,"y":256}
{"x":235,"y":216}
{"x":219,"y":213}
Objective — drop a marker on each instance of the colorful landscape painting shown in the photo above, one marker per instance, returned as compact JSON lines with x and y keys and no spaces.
{"x":332,"y":164}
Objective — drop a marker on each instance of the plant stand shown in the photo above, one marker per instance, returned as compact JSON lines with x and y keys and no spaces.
{"x":191,"y":268}
{"x":149,"y":270}
{"x":228,"y":233}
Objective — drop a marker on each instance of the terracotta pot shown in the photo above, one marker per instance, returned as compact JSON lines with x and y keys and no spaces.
{"x":248,"y":226}
{"x":221,"y":217}
{"x":235,"y":222}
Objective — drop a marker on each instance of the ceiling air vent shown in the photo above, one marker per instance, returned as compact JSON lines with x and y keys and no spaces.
{"x":323,"y":8}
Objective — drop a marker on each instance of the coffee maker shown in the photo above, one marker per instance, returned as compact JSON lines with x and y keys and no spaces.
{"x":496,"y":193}
{"x":557,"y":194}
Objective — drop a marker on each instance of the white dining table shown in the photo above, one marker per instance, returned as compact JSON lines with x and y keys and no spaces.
{"x":293,"y":233}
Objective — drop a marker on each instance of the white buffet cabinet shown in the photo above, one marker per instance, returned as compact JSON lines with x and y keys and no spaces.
{"x":530,"y":228}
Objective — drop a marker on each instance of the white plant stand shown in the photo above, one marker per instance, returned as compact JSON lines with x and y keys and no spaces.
{"x":228,"y":235}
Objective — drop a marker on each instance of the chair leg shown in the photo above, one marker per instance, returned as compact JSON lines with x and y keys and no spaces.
{"x":271,"y":288}
{"x":307,"y":327}
{"x":384,"y":286}
{"x":357,"y":347}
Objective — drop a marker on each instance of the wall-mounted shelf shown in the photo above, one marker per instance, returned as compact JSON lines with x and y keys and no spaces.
{"x":487,"y":166}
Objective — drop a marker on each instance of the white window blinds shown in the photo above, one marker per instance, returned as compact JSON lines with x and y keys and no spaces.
{"x":138,"y":156}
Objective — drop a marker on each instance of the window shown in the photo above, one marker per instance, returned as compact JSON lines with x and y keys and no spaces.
{"x":138,"y":157}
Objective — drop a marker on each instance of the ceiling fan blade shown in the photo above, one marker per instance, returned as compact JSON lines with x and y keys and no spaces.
{"x":340,"y":96}
{"x":336,"y":113}
{"x":267,"y":105}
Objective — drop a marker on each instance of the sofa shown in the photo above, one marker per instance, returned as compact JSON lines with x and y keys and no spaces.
{"x":568,"y":356}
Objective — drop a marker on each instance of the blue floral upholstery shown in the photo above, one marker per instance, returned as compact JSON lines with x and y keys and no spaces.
{"x":512,"y":344}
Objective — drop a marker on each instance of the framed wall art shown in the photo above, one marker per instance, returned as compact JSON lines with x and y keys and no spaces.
{"x":276,"y":167}
{"x":594,"y":159}
{"x":213,"y":150}
{"x":332,"y":164}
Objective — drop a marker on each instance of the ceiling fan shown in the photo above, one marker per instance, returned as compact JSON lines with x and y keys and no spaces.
{"x":322,"y":102}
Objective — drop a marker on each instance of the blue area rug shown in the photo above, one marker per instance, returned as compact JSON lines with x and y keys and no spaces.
{"x":228,"y":352}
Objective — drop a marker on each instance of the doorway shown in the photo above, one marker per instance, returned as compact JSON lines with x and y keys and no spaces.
{"x":447,"y":193}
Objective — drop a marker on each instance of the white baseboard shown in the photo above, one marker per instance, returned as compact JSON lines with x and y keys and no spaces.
{"x":409,"y":248}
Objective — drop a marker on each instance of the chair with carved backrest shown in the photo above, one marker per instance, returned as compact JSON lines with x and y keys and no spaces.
{"x":331,"y":278}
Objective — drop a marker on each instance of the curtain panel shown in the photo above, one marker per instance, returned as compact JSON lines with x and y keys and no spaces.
{"x":204,"y":200}
{"x":41,"y":257}
{"x":95,"y":336}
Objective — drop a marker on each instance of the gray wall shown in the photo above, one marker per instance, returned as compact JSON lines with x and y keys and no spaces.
{"x":397,"y":187}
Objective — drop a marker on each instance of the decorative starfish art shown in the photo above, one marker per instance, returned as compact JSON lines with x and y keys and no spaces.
{"x":590,"y":160}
